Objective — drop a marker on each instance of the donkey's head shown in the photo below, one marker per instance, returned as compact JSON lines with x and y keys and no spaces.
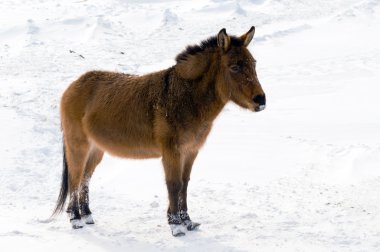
{"x":238,"y":68}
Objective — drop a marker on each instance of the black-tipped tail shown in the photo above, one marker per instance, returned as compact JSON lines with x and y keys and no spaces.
{"x":64,"y":186}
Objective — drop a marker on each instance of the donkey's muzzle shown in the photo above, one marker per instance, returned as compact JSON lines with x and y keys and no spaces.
{"x":260,"y":100}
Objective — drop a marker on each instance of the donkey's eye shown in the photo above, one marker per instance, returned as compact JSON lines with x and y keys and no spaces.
{"x":235,"y":68}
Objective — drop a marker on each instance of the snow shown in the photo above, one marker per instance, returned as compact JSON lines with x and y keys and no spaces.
{"x":302,"y":175}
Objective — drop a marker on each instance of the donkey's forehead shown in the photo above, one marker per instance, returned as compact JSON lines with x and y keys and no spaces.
{"x":240,"y":53}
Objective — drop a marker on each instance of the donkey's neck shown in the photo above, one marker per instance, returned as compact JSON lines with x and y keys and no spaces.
{"x":188,"y":100}
{"x":207,"y":94}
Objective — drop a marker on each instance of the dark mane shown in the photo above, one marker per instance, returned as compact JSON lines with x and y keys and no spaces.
{"x":211,"y":42}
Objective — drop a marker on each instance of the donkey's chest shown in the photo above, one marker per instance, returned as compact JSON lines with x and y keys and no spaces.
{"x":193,"y":138}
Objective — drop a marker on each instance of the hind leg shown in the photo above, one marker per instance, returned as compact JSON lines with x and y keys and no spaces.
{"x":76,"y":149}
{"x":93,"y":160}
{"x":190,"y":225}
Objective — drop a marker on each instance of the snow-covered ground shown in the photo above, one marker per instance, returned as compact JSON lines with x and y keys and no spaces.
{"x":303,"y":175}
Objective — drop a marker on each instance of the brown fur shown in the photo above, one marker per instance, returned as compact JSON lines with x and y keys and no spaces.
{"x":165,"y":114}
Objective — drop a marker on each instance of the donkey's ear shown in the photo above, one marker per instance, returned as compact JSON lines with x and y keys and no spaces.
{"x":248,"y":36}
{"x":224,"y":40}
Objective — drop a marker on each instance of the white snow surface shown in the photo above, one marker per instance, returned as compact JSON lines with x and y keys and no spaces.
{"x":303,"y":175}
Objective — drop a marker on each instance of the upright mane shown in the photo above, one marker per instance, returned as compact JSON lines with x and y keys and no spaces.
{"x":211,"y":42}
{"x":192,"y":62}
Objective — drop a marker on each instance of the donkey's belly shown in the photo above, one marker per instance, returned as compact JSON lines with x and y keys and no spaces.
{"x":133,"y":152}
{"x":131,"y":143}
{"x":126,"y":150}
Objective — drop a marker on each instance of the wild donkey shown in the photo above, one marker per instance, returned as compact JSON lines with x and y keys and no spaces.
{"x":164,"y":114}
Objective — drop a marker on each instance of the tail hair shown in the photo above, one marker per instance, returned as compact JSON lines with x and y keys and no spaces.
{"x":64,"y":186}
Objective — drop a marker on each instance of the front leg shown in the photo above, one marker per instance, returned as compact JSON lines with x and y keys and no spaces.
{"x":185,"y":218}
{"x":173,"y":166}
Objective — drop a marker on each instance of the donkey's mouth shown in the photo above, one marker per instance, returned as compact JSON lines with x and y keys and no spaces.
{"x":259,"y":108}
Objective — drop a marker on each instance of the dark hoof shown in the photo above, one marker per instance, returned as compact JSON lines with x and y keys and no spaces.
{"x":177,"y":230}
{"x":191,"y":225}
{"x":76,"y":223}
{"x":88,"y":219}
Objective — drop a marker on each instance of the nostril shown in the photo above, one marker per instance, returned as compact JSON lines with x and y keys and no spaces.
{"x":259,"y":99}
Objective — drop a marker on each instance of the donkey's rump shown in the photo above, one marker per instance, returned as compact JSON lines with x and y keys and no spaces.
{"x":114,"y":118}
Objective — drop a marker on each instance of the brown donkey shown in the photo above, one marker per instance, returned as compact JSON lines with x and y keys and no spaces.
{"x":164,"y":114}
